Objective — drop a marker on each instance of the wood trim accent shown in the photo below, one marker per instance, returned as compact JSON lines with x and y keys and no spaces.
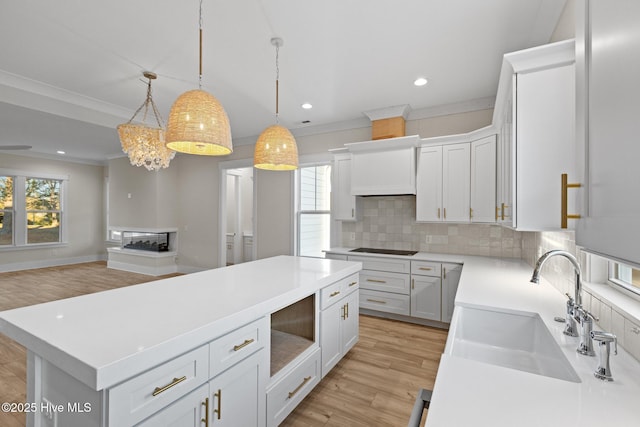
{"x":388,"y":128}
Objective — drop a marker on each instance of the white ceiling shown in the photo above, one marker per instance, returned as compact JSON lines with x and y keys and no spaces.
{"x":71,"y":70}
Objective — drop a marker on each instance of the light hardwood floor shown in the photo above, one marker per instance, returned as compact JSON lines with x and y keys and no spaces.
{"x":374,"y":385}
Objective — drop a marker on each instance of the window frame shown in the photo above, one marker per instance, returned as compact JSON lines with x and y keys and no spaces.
{"x":20,"y":224}
{"x":298,"y":202}
{"x":616,"y":282}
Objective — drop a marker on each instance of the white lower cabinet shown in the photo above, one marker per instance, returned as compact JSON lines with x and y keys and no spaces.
{"x":233,"y":398}
{"x":450,"y":278}
{"x":338,"y":330}
{"x":425,"y":297}
{"x":190,"y":411}
{"x":288,"y":392}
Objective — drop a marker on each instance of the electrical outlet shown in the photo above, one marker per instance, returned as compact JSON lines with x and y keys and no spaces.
{"x":353,"y":236}
{"x":428,"y":239}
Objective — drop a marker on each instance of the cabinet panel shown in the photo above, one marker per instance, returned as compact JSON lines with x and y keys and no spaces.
{"x":236,"y":395}
{"x":545,"y":145}
{"x":382,"y":264}
{"x":385,"y":301}
{"x":425,"y":268}
{"x":383,"y":281}
{"x":285,"y":395}
{"x":425,"y":297}
{"x":483,"y":180}
{"x":186,"y":412}
{"x":609,"y":118}
{"x":384,"y":172}
{"x":153,"y":390}
{"x":456,"y":160}
{"x":330,"y":336}
{"x":228,"y":350}
{"x":344,"y":208}
{"x":429,"y":184}
{"x":351,"y":322}
{"x":450,"y":278}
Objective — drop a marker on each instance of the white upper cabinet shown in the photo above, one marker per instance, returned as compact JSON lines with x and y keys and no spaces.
{"x":456,"y":160}
{"x":429,"y":184}
{"x":483,"y":180}
{"x":383,"y":167}
{"x":455,"y":171}
{"x":608,"y":125}
{"x":539,"y":146}
{"x":345,"y":207}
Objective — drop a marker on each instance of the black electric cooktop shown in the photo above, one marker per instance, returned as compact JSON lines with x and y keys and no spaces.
{"x":385,"y":251}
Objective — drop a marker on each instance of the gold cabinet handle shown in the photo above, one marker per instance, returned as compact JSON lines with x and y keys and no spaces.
{"x":425,"y":268}
{"x":219,"y":409}
{"x":297,"y":389}
{"x":353,"y":213}
{"x":502,"y":208}
{"x":244,"y":344}
{"x":438,"y":213}
{"x":353,"y":284}
{"x":470,"y":213}
{"x":343,"y":314}
{"x":376,"y":281}
{"x":444,"y":273}
{"x":565,"y":186}
{"x":333,"y":294}
{"x":413,"y":283}
{"x":162,"y":389}
{"x":205,"y":420}
{"x":497,"y":210}
{"x":376,"y":300}
{"x":445,"y":212}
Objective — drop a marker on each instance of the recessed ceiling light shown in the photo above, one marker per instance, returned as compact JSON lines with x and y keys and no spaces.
{"x":420,"y":81}
{"x":60,"y":152}
{"x":307,"y":106}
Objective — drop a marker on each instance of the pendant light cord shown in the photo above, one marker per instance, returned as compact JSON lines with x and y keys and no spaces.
{"x":154,"y":109}
{"x":277,"y":80}
{"x":200,"y":68}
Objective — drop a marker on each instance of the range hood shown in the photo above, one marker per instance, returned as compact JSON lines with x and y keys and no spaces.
{"x":384,"y":167}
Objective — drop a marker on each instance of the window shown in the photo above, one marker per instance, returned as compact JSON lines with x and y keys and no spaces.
{"x":31,"y":210}
{"x":6,"y":210}
{"x":625,"y":277}
{"x":43,"y":209}
{"x":314,"y":213}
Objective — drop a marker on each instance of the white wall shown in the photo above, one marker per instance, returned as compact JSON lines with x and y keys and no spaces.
{"x":84,"y":211}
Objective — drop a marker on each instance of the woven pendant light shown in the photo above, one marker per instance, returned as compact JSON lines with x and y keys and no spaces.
{"x":276,"y":148}
{"x":145,"y":145}
{"x":198,"y":124}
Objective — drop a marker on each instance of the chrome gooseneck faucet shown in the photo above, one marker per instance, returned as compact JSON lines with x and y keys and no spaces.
{"x":574,"y":313}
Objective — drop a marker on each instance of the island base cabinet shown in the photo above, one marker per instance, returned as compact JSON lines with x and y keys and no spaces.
{"x":190,"y":411}
{"x":232,"y":399}
{"x":338,"y":330}
{"x":288,"y":392}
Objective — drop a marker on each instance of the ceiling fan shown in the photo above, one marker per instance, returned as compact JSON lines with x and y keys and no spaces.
{"x":15,"y":147}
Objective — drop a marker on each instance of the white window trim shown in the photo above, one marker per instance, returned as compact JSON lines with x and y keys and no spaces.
{"x":309,"y":161}
{"x":20,"y":214}
{"x":620,"y":285}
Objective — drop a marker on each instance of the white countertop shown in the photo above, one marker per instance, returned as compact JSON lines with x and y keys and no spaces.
{"x":471,"y":393}
{"x":106,"y":337}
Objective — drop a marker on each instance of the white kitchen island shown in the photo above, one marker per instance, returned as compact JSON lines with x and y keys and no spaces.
{"x":189,"y":350}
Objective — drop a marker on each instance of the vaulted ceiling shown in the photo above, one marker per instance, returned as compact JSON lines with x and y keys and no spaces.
{"x":71,"y":70}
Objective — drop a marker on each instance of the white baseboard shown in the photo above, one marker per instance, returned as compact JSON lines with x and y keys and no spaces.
{"x":55,"y":262}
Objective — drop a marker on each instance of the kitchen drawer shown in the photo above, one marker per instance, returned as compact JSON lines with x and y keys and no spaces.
{"x":383,"y":281}
{"x":426,"y":268}
{"x":229,"y":349}
{"x":382,"y":264}
{"x":338,"y":290}
{"x":385,"y":301}
{"x":134,"y":400}
{"x":287,"y":393}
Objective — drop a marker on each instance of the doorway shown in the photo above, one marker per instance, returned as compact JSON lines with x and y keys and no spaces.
{"x":237,"y":211}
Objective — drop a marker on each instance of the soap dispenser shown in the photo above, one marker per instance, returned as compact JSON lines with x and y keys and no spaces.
{"x":604,"y":340}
